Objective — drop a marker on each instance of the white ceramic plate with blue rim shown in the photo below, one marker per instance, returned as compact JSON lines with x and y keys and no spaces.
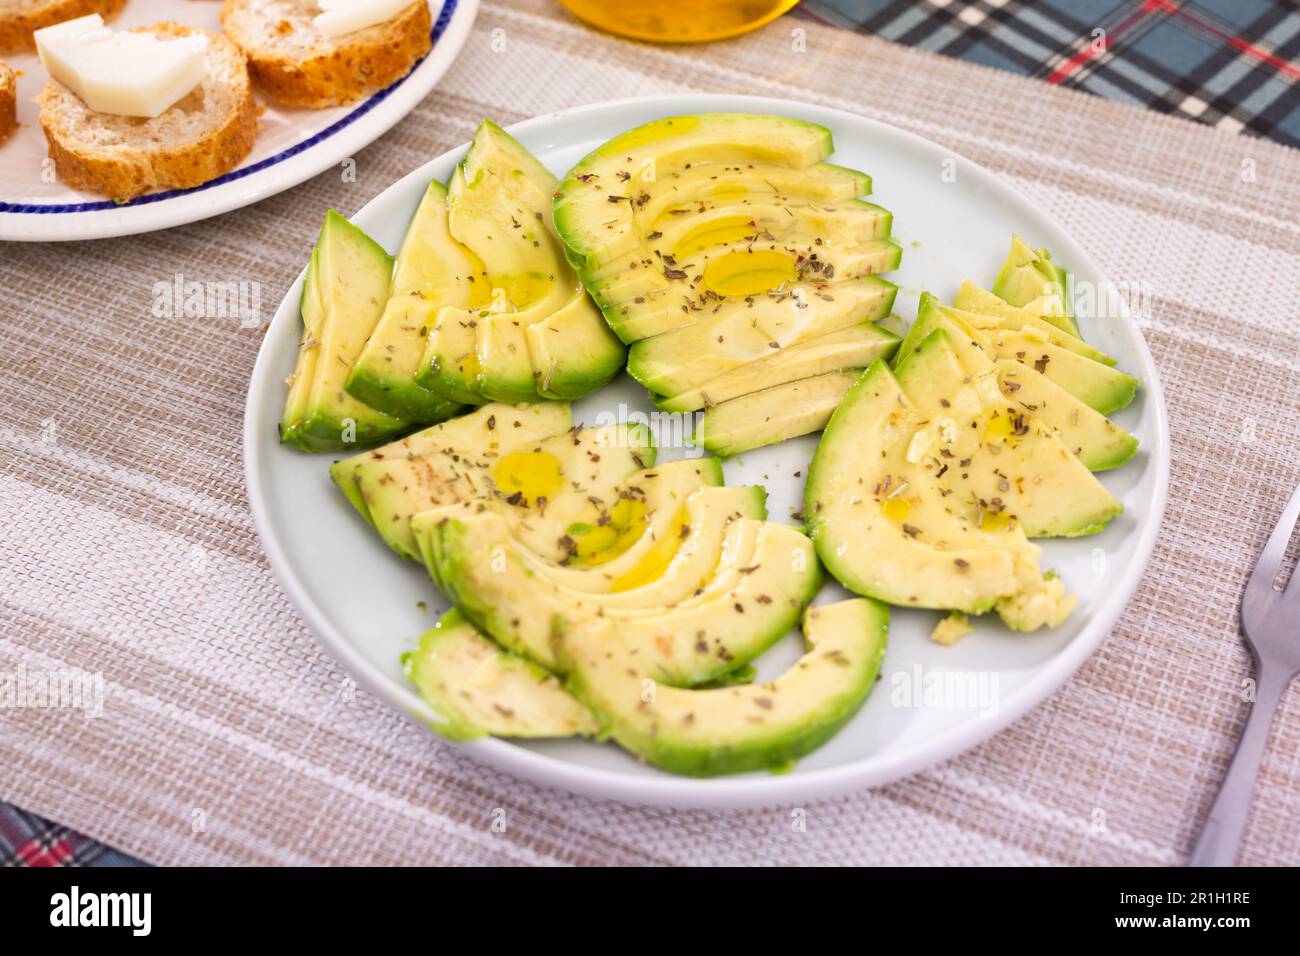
{"x":367,"y":606}
{"x":291,"y":145}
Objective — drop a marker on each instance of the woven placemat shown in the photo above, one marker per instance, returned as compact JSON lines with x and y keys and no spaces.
{"x":227,"y":734}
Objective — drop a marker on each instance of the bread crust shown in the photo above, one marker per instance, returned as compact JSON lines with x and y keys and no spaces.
{"x":20,"y":18}
{"x":331,"y":71}
{"x":8,"y":101}
{"x":128,"y":169}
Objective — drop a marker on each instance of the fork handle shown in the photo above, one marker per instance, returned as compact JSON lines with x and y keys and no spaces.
{"x":1221,"y":837}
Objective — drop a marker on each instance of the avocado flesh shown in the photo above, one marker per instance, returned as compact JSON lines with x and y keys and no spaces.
{"x":476,"y":688}
{"x":715,"y":182}
{"x":614,"y":544}
{"x":1030,"y":276}
{"x":1099,"y":444}
{"x":774,"y":414}
{"x":344,"y":291}
{"x":736,"y":729}
{"x":648,"y":302}
{"x":1004,"y":465}
{"x":711,"y":244}
{"x":479,"y":429}
{"x":678,"y":566}
{"x":432,"y":270}
{"x":683,"y":229}
{"x":544,"y":483}
{"x":986,"y":310}
{"x":573,"y":351}
{"x":1102,"y":388}
{"x":740,"y":333}
{"x":770,"y":574}
{"x":883,"y":529}
{"x":855,"y":347}
{"x":499,"y":202}
{"x":597,"y":229}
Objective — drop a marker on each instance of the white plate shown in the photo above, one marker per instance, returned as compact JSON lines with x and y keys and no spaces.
{"x":362,"y":601}
{"x":291,"y":145}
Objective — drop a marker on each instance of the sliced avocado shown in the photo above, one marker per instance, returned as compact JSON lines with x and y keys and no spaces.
{"x":737,"y":729}
{"x":774,"y":414}
{"x":820,"y":182}
{"x":973,"y":299}
{"x":476,"y":688}
{"x":568,"y":481}
{"x":1003,"y":464}
{"x":855,"y":347}
{"x":596,"y":228}
{"x":622,"y":538}
{"x":432,"y":271}
{"x":1026,"y":393}
{"x":449,"y":365}
{"x":573,"y":351}
{"x":1098,"y":442}
{"x":1100,"y":387}
{"x":880,"y":524}
{"x":648,"y":302}
{"x":668,"y":220}
{"x":737,"y":333}
{"x":850,"y":238}
{"x":442,"y":464}
{"x":1030,"y":275}
{"x":677,"y":566}
{"x":304,"y":372}
{"x":982,"y":317}
{"x":342,"y":298}
{"x":500,"y":209}
{"x":770,"y":574}
{"x":546,"y":485}
{"x":686,"y":229}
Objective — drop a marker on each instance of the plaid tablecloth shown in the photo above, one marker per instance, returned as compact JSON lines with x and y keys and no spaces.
{"x":1135,"y":732}
{"x":1229,"y":63}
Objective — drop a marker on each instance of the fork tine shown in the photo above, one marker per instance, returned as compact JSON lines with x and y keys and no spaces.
{"x":1271,"y":559}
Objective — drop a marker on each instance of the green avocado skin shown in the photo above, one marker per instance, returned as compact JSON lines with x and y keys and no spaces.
{"x":697,"y":760}
{"x":453,"y":577}
{"x":449,"y":385}
{"x":405,"y":400}
{"x":321,"y":432}
{"x":718,"y":758}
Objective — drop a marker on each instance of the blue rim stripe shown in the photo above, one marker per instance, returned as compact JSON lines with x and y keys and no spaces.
{"x":444,"y":17}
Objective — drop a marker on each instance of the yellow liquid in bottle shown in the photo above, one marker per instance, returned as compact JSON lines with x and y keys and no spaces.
{"x":678,"y":21}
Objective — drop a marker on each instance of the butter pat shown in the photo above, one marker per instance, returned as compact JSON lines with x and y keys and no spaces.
{"x":338,"y":17}
{"x":128,"y":74}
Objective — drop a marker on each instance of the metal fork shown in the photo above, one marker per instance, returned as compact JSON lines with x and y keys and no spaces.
{"x":1270,"y":619}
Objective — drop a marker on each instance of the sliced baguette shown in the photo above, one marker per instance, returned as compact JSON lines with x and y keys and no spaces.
{"x":203,"y":135}
{"x":19,"y":18}
{"x":298,"y":66}
{"x":8,"y":101}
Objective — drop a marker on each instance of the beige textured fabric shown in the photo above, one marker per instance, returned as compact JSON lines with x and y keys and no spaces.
{"x":228,"y":736}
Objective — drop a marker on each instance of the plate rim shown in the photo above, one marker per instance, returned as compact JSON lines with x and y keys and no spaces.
{"x":368,"y":120}
{"x":667,"y":790}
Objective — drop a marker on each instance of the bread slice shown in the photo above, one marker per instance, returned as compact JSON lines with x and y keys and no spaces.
{"x":19,"y":18}
{"x":8,"y":101}
{"x":296,"y":65}
{"x":203,"y":135}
